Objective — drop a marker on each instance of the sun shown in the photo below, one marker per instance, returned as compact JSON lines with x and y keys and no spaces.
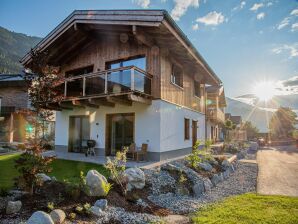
{"x":264,"y":90}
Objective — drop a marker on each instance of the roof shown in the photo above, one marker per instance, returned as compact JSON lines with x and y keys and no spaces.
{"x":12,"y":80}
{"x":235,"y":119}
{"x":144,"y":18}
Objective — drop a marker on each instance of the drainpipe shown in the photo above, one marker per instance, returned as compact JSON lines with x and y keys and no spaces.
{"x":205,"y":105}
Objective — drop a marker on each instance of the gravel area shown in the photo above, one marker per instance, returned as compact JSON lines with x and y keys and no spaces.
{"x":119,"y":214}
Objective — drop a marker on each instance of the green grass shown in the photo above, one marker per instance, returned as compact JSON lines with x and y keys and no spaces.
{"x":250,"y":209}
{"x":62,"y":170}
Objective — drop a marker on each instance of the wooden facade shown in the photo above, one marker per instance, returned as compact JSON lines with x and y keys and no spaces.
{"x":94,"y":38}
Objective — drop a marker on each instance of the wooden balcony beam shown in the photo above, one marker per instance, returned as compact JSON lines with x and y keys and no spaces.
{"x":139,"y":99}
{"x":118,"y":99}
{"x":100,"y":102}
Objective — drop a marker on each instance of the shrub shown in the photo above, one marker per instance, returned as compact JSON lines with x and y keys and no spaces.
{"x":72,"y":216}
{"x":117,"y":167}
{"x":106,"y":187}
{"x":50,"y":206}
{"x":199,"y":155}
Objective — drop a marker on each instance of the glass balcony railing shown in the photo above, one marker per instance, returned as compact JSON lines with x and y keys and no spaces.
{"x":113,"y":81}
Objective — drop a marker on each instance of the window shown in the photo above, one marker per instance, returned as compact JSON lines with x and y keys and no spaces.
{"x":138,"y":61}
{"x":186,"y":129}
{"x":177,"y":76}
{"x":197,"y":88}
{"x":79,"y":71}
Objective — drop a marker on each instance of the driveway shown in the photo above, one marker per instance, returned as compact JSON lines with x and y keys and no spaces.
{"x":278,"y":171}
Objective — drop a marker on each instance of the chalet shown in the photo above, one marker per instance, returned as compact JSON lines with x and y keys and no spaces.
{"x":131,"y":76}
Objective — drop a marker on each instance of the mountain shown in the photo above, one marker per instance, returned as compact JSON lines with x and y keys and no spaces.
{"x":259,"y":113}
{"x":13,"y":46}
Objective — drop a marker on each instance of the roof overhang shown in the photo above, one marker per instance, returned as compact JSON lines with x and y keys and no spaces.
{"x":157,"y":23}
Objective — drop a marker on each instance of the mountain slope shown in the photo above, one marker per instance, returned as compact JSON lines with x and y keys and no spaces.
{"x":13,"y":46}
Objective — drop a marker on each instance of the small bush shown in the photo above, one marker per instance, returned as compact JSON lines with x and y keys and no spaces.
{"x":51,"y":206}
{"x":72,"y":216}
{"x":106,"y":187}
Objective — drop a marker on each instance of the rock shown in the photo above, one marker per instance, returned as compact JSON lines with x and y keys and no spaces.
{"x":102,"y":204}
{"x":96,"y":211}
{"x":215,"y":179}
{"x":205,"y":166}
{"x":182,"y":190}
{"x":13,"y":207}
{"x":232,"y":168}
{"x":198,"y":189}
{"x":225,"y":164}
{"x":207,"y":185}
{"x":241,"y":155}
{"x":226,"y":173}
{"x":58,"y":216}
{"x":43,"y":177}
{"x":136,"y":178}
{"x":213,"y":162}
{"x":54,"y":178}
{"x":142,"y":203}
{"x":253,"y":146}
{"x":173,"y":219}
{"x":221,"y":178}
{"x":40,"y":217}
{"x":94,"y":182}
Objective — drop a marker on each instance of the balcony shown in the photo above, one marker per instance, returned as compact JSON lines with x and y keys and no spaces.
{"x":216,"y":115}
{"x":122,"y":85}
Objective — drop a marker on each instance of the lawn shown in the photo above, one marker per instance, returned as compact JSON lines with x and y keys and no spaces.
{"x":250,"y":209}
{"x":62,"y":169}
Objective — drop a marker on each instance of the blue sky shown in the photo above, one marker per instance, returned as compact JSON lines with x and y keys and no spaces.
{"x":245,"y":42}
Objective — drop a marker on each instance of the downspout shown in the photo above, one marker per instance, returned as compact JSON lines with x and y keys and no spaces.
{"x":205,"y":105}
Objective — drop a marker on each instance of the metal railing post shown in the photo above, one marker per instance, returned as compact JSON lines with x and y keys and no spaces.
{"x":84,"y":86}
{"x":106,"y":83}
{"x":65,"y":88}
{"x":132,"y":77}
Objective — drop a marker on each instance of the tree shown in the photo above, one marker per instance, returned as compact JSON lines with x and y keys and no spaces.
{"x":43,"y":87}
{"x":251,"y":130}
{"x":282,"y":123}
{"x":229,"y":125}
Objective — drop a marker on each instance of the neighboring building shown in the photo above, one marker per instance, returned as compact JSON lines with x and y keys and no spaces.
{"x":237,"y":120}
{"x":131,"y":76}
{"x":14,"y":95}
{"x":216,"y":103}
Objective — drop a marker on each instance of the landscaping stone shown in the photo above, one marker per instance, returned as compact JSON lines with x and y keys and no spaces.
{"x":54,"y":178}
{"x":221,"y":178}
{"x":226,"y":173}
{"x":198,"y":189}
{"x":102,"y":204}
{"x":96,"y":211}
{"x":40,"y":217}
{"x":58,"y":216}
{"x":43,"y":177}
{"x":136,"y":178}
{"x":205,"y":166}
{"x":13,"y":207}
{"x":94,"y":182}
{"x":174,"y":219}
{"x":215,"y":179}
{"x":241,"y":155}
{"x":142,"y":203}
{"x":253,"y":146}
{"x":160,"y":181}
{"x":207,"y":185}
{"x":180,"y":190}
{"x":213,"y":162}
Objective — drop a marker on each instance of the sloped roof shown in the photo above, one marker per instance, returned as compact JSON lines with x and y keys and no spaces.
{"x":143,"y":18}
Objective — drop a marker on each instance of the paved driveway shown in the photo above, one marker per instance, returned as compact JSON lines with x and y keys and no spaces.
{"x":278,"y":171}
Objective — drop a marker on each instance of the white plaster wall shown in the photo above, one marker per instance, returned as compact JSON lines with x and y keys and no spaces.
{"x":147,"y":121}
{"x":172,"y":126}
{"x":161,"y":125}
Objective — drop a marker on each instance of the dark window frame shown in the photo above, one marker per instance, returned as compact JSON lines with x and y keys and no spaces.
{"x":197,"y":89}
{"x":121,"y":60}
{"x":186,"y":128}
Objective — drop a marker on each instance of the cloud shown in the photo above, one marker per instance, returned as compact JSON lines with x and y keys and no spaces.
{"x":195,"y":26}
{"x":294,"y":12}
{"x":142,"y":3}
{"x":241,"y":6}
{"x":256,"y":6}
{"x":261,"y":16}
{"x":212,"y":18}
{"x":285,"y":22}
{"x":269,"y":4}
{"x":288,"y":86}
{"x":181,"y":7}
{"x":290,"y":49}
{"x":294,"y":27}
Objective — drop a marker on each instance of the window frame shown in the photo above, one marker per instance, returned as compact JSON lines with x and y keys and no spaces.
{"x":196,"y":83}
{"x":121,"y":60}
{"x":172,"y":80}
{"x":186,"y":128}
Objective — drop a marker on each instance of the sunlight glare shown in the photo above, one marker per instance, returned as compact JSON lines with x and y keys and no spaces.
{"x":264,"y":90}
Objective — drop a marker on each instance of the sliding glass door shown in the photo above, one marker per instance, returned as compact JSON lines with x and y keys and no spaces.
{"x":79,"y":133}
{"x":120,"y":132}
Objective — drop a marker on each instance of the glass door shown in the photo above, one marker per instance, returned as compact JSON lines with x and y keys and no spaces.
{"x":120,"y":132}
{"x":79,"y":133}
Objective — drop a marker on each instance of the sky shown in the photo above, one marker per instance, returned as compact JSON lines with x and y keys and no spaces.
{"x":245,"y":42}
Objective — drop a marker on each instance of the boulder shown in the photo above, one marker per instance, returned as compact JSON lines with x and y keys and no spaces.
{"x":40,"y":217}
{"x":205,"y":166}
{"x":253,"y":146}
{"x":96,"y":211}
{"x":135,"y":177}
{"x":43,"y":177}
{"x":198,"y":189}
{"x":207,"y":185}
{"x":241,"y":155}
{"x":225,"y":165}
{"x":54,"y":178}
{"x":58,"y":216}
{"x":221,"y":177}
{"x":213,"y":162}
{"x":215,"y":179}
{"x":226,"y":173}
{"x":102,"y":204}
{"x":13,"y":207}
{"x":94,"y":182}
